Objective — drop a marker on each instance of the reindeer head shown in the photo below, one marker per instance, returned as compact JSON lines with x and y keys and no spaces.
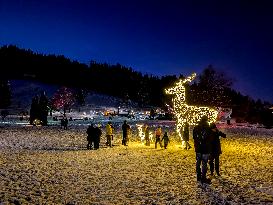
{"x":179,"y":86}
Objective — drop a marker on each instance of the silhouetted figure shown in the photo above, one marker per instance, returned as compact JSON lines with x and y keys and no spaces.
{"x":158,"y":132}
{"x":109,"y":134}
{"x":91,"y":132}
{"x":34,"y":110}
{"x":64,"y":123}
{"x":125,"y":133}
{"x":202,"y":145}
{"x":43,"y":102}
{"x":215,"y":149}
{"x":147,"y":135}
{"x":186,"y":136}
{"x":97,"y":135}
{"x":165,"y":140}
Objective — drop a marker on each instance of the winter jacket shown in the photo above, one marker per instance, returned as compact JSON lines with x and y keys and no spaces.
{"x":215,"y":141}
{"x":97,"y":135}
{"x":90,"y":133}
{"x":158,"y":132}
{"x":202,"y":139}
{"x":109,"y":129}
{"x":125,"y":129}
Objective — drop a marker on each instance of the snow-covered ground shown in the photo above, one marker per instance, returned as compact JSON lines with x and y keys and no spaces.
{"x":52,"y":166}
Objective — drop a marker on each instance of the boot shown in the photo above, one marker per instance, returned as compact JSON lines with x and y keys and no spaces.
{"x":206,"y":181}
{"x":198,"y":178}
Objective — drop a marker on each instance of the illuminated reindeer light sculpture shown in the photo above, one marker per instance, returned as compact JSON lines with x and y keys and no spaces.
{"x":186,"y":113}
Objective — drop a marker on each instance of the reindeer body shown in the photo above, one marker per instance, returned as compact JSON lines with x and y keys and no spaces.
{"x":186,"y":113}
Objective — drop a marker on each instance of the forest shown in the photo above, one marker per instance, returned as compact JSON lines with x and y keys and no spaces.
{"x":211,"y":88}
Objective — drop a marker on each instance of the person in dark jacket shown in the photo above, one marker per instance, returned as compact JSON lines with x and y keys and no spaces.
{"x":125,"y":133}
{"x":165,"y":140}
{"x":90,"y":136}
{"x":64,"y":123}
{"x":97,"y":135}
{"x":202,"y":145}
{"x":147,"y":135}
{"x":215,"y":149}
{"x":186,"y":136}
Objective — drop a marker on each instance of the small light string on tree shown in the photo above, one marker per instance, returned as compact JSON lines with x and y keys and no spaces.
{"x":63,"y":98}
{"x":185,"y":113}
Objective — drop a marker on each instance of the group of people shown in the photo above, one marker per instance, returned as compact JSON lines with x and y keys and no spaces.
{"x":158,"y":132}
{"x":94,"y":134}
{"x":93,"y":137}
{"x":206,"y":143}
{"x":208,"y":149}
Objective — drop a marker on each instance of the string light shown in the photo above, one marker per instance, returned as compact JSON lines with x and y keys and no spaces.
{"x":141,"y":134}
{"x":185,"y":113}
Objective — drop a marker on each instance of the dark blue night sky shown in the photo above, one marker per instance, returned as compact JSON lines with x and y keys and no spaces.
{"x":155,"y":37}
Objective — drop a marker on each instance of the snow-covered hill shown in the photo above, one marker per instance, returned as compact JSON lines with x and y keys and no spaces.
{"x":23,"y":91}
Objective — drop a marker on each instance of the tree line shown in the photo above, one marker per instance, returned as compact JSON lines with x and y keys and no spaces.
{"x":212,"y":88}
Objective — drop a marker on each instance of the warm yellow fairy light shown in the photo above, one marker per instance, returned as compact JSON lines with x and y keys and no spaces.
{"x":140,"y":132}
{"x":151,"y":136}
{"x":186,"y":113}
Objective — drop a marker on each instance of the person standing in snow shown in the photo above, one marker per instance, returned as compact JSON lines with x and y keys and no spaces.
{"x":64,"y":122}
{"x":125,"y":133}
{"x":147,"y":135}
{"x":90,"y":136}
{"x":186,"y":136}
{"x":97,"y":135}
{"x":215,"y":149}
{"x":202,"y":145}
{"x":157,"y":137}
{"x":109,"y":134}
{"x":165,"y":140}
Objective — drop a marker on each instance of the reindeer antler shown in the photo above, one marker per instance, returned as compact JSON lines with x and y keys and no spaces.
{"x":189,"y":79}
{"x":179,"y":84}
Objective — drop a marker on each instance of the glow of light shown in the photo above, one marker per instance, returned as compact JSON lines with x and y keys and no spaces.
{"x":185,"y":113}
{"x":151,"y":136}
{"x":140,"y":132}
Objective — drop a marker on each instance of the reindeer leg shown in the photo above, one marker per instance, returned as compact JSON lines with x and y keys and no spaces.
{"x":178,"y":130}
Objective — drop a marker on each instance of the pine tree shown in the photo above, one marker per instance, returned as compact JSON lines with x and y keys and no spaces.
{"x":34,"y":110}
{"x":43,"y":107}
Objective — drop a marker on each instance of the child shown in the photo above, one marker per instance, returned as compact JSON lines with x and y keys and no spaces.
{"x":166,"y":140}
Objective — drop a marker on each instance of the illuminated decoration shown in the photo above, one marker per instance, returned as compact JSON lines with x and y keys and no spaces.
{"x":37,"y":122}
{"x":141,"y":133}
{"x":63,"y":98}
{"x":185,"y":113}
{"x":151,"y":136}
{"x":224,"y":113}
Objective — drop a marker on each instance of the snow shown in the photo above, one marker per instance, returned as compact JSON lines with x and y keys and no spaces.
{"x":47,"y":165}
